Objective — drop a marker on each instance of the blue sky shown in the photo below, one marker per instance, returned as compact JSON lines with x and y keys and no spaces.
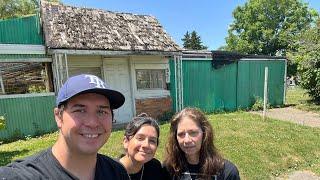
{"x":210,"y":18}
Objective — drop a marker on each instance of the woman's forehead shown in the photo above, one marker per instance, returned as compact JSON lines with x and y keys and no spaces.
{"x":187,"y":123}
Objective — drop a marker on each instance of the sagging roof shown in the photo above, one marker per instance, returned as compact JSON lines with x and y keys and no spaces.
{"x":67,"y":27}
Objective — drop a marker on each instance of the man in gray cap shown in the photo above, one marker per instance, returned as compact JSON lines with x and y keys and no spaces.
{"x":84,"y":115}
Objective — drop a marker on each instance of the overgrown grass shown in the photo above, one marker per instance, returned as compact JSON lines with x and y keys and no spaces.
{"x":298,"y":98}
{"x":261,"y":149}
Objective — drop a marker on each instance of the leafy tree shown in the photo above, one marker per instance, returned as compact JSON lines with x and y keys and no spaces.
{"x":193,"y":41}
{"x":18,"y":8}
{"x":268,"y":26}
{"x":307,"y":56}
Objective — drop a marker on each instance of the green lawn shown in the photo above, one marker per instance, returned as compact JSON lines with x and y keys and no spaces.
{"x":298,"y":98}
{"x":260,"y":148}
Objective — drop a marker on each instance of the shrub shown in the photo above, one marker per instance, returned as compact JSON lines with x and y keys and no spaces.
{"x":2,"y":122}
{"x":258,"y":104}
{"x":308,"y":58}
{"x":36,"y":89}
{"x":166,"y":116}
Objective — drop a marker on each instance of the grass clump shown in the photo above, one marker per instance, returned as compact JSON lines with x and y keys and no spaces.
{"x":299,"y":98}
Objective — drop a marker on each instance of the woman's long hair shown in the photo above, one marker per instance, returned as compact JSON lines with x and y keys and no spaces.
{"x":210,"y":160}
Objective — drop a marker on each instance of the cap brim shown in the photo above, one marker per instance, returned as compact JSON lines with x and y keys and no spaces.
{"x":115,"y":98}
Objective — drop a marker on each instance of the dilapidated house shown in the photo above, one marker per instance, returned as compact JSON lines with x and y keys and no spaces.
{"x":131,"y":52}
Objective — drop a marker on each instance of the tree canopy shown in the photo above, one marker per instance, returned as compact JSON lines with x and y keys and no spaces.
{"x":307,"y":57}
{"x":193,"y":41}
{"x":268,"y":26}
{"x":18,"y":8}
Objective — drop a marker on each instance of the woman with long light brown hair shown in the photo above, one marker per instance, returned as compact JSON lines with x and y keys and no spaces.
{"x":191,"y":153}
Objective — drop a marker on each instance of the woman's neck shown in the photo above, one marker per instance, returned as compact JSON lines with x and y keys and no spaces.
{"x":131,"y":166}
{"x":194,"y":159}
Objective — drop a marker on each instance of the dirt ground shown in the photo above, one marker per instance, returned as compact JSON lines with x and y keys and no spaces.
{"x":294,"y":115}
{"x":300,"y":117}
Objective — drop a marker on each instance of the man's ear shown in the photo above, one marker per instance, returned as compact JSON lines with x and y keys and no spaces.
{"x":58,"y":116}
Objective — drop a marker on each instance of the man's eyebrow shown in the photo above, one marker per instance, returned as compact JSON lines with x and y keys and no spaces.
{"x":78,"y":106}
{"x":104,"y":106}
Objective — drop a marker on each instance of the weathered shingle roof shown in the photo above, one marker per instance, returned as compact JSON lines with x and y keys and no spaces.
{"x":69,"y":27}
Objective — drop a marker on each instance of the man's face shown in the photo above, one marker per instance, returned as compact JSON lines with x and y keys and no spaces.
{"x":85,"y":123}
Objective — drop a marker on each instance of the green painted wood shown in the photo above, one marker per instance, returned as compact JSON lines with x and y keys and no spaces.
{"x":24,"y":30}
{"x":27,"y":115}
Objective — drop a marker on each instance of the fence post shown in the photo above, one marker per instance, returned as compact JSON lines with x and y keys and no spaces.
{"x":265,"y":92}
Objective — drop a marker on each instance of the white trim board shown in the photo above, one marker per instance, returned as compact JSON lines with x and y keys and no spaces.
{"x":22,"y":49}
{"x":26,"y":95}
{"x":19,"y":60}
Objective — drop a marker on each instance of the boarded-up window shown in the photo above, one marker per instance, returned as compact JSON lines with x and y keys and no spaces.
{"x":150,"y":78}
{"x":84,"y":70}
{"x":23,"y":78}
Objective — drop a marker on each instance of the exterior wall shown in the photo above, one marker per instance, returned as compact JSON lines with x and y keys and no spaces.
{"x":27,"y":114}
{"x":139,"y":99}
{"x":231,"y":86}
{"x":154,"y":107}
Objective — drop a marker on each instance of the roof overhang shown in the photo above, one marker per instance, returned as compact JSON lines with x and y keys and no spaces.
{"x":111,"y":53}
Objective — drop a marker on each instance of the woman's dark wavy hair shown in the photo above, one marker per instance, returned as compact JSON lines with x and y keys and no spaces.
{"x":137,"y":122}
{"x":210,"y":160}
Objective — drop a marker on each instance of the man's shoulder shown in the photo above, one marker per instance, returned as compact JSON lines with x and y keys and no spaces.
{"x":23,"y":168}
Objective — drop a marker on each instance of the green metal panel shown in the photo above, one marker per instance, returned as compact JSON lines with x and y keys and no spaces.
{"x":230,"y":87}
{"x":27,"y":115}
{"x":251,"y":81}
{"x":207,"y":88}
{"x":25,"y":30}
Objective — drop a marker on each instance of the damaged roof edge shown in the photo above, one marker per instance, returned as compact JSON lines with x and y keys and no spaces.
{"x":112,"y":53}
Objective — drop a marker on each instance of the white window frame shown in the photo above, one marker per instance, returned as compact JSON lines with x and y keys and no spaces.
{"x":150,"y":93}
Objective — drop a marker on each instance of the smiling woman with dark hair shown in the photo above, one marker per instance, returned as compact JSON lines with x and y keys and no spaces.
{"x":191,"y":153}
{"x":140,"y":142}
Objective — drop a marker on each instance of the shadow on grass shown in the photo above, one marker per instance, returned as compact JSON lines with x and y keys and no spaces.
{"x":8,"y":156}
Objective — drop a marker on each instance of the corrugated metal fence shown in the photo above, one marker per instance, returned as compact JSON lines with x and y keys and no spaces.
{"x":231,"y":86}
{"x":29,"y":114}
{"x":25,"y":30}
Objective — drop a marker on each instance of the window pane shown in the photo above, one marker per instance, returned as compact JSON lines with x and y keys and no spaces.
{"x":150,"y":78}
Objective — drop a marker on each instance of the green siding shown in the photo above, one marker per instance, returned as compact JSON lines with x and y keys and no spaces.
{"x":230,"y":87}
{"x":207,"y":88}
{"x":25,"y":30}
{"x":27,"y":115}
{"x":251,"y":82}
